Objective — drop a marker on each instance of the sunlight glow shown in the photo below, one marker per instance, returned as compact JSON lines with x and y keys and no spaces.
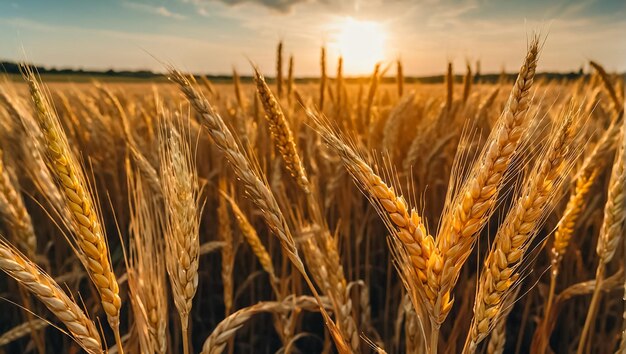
{"x":361,"y":43}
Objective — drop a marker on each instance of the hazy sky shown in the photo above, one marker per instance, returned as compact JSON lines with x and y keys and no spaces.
{"x":212,"y":36}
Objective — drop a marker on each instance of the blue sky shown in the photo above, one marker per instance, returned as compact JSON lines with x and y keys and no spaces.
{"x":212,"y":36}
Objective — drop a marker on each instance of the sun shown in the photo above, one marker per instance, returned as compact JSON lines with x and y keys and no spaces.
{"x":361,"y":43}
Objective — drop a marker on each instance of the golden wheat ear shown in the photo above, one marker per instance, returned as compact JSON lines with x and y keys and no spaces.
{"x":86,"y":224}
{"x":256,"y":187}
{"x":22,"y":330}
{"x":611,"y":232}
{"x":281,"y":133}
{"x":13,"y":210}
{"x":44,"y":288}
{"x":402,"y":222}
{"x":502,"y":270}
{"x":181,"y":196}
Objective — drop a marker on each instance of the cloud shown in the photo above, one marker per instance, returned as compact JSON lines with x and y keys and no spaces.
{"x":280,"y":6}
{"x":155,"y":10}
{"x":25,"y":23}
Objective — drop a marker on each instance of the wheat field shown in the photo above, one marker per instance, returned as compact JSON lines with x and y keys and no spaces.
{"x":335,"y":215}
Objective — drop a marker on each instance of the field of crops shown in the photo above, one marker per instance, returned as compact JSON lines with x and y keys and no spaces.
{"x":332,"y":216}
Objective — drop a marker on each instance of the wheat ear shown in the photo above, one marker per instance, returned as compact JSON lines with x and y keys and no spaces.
{"x":281,"y":133}
{"x":618,"y":105}
{"x":42,"y":286}
{"x":322,"y":78}
{"x":31,"y":145}
{"x":283,"y":139}
{"x":252,"y":238}
{"x":339,"y":86}
{"x":279,"y":69}
{"x":237,"y":88}
{"x":501,"y":268}
{"x":22,"y":330}
{"x":611,"y":233}
{"x":88,"y":231}
{"x":13,"y":210}
{"x":565,"y":230}
{"x":406,"y":225}
{"x":290,"y":78}
{"x":225,"y":330}
{"x":472,"y":206}
{"x":449,"y":82}
{"x":256,"y":187}
{"x":467,"y":83}
{"x":179,"y":182}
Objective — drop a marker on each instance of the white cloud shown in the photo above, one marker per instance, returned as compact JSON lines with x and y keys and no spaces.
{"x":156,"y":10}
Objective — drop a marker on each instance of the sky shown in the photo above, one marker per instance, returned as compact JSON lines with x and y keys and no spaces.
{"x":213,"y":36}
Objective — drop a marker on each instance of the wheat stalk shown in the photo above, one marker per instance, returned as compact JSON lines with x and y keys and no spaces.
{"x":146,"y":269}
{"x":225,"y":234}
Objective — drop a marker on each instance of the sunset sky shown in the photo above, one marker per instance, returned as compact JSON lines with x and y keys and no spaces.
{"x":212,"y":36}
